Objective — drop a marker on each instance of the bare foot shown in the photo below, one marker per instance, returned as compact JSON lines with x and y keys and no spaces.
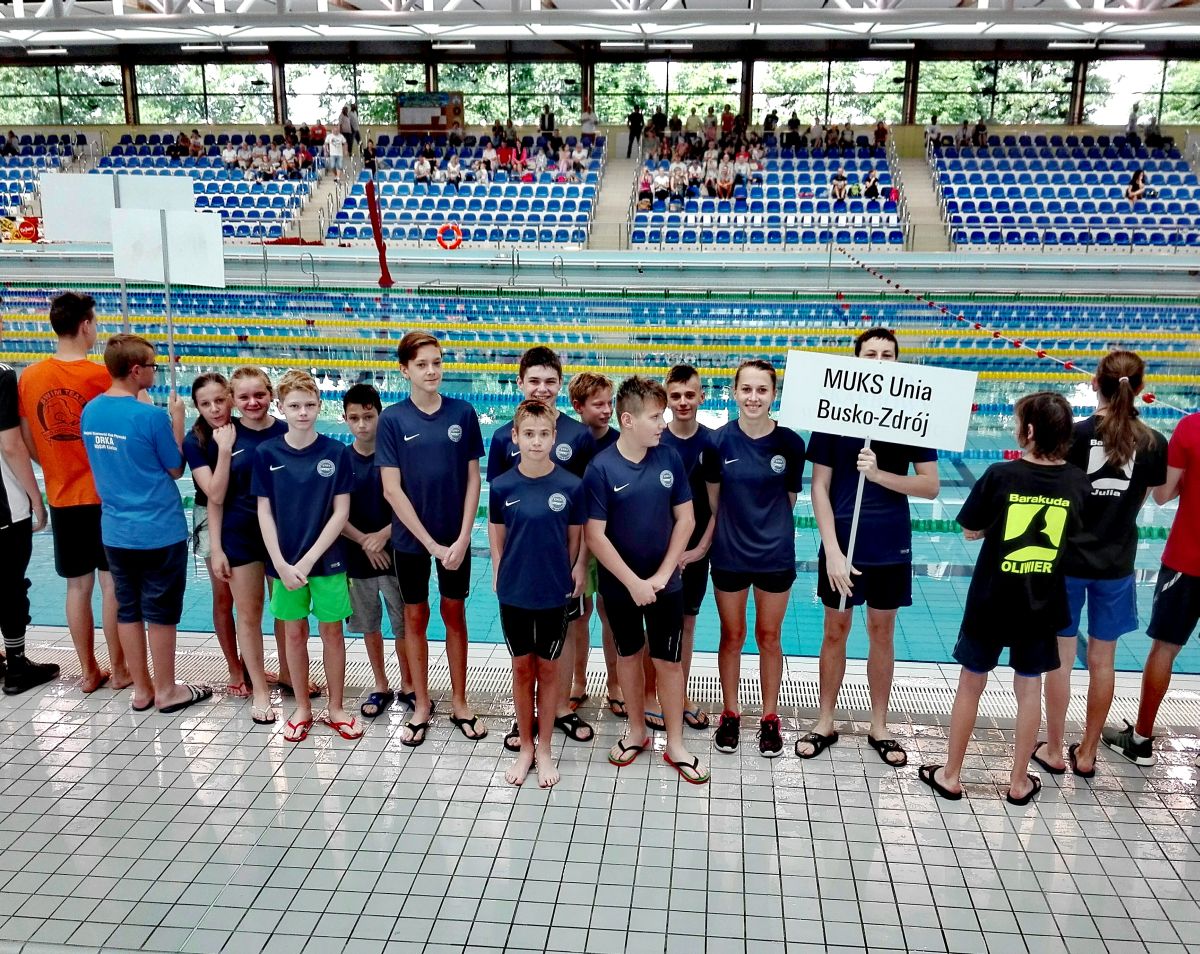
{"x":94,"y":680}
{"x":520,"y":768}
{"x":120,"y":679}
{"x":1058,"y":763}
{"x":272,"y":677}
{"x":547,"y":771}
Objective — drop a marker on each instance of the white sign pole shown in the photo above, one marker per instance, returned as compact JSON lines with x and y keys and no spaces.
{"x":166,"y":260}
{"x":116,"y":184}
{"x":862,"y":479}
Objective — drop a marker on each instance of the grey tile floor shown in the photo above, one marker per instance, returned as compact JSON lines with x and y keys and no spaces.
{"x":204,"y":833}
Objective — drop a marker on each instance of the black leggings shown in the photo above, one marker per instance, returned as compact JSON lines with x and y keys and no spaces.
{"x":16,"y":548}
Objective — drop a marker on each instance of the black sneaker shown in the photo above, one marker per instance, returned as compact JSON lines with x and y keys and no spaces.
{"x":23,"y":675}
{"x":726,"y":738}
{"x":770,"y":740}
{"x":1139,"y":753}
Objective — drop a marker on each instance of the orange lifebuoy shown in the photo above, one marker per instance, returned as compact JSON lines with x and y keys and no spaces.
{"x":454,"y":230}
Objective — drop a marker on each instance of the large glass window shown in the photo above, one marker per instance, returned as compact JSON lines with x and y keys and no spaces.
{"x":182,"y":93}
{"x":484,"y":87}
{"x":621,"y":86}
{"x":701,"y":85}
{"x":172,"y":93}
{"x":800,"y":88}
{"x":376,"y":86}
{"x":866,"y":91}
{"x":1181,"y":92}
{"x":59,"y":95}
{"x":317,"y":91}
{"x":534,"y":85}
{"x":1037,"y":91}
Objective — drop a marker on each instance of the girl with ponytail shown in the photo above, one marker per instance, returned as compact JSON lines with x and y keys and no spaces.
{"x":1123,"y":460}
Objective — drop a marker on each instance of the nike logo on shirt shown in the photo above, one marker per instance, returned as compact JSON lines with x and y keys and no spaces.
{"x":236,"y":452}
{"x":733,"y":460}
{"x":409,"y":437}
{"x":509,"y":503}
{"x":513,"y":453}
{"x":617,"y":490}
{"x":275,"y":467}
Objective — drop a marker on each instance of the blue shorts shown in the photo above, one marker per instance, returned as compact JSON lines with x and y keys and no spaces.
{"x":1111,"y":607}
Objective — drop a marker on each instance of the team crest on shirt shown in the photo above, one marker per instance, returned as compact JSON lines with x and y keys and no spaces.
{"x":666,"y":478}
{"x":778,"y":464}
{"x":557,"y":503}
{"x":325,"y":467}
{"x":454,"y":432}
{"x":563,"y":452}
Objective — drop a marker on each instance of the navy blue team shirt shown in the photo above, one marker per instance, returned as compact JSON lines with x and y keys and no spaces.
{"x":573,"y":448}
{"x":369,"y":512}
{"x":239,"y":516}
{"x":301,"y":485}
{"x":637,"y":502}
{"x":433,"y":453}
{"x":696,"y":453}
{"x":755,"y":531}
{"x":536,"y":512}
{"x":885,"y":534}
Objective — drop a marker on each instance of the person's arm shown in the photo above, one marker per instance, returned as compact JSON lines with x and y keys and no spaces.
{"x":214,"y":481}
{"x":289,"y":576}
{"x":27,"y":437}
{"x":216,"y":552}
{"x":497,"y":536}
{"x":705,"y":542}
{"x":837,"y":567}
{"x":1171,"y":488}
{"x":925,"y":483}
{"x":457,"y":551}
{"x":398,"y":500}
{"x":642,"y":591}
{"x":177,"y":412}
{"x":685,"y":523}
{"x":16,"y":455}
{"x":329,"y":534}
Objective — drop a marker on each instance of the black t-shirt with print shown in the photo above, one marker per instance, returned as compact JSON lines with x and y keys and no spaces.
{"x":1031,"y":514}
{"x":1107,"y":544}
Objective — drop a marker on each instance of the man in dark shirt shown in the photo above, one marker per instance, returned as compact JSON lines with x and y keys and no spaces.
{"x":636,"y":122}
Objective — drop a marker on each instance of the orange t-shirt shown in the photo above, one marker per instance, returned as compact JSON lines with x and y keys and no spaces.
{"x":53,"y":393}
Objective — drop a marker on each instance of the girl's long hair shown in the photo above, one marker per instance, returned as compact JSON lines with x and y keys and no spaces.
{"x":1119,"y":378}
{"x":202,"y":429}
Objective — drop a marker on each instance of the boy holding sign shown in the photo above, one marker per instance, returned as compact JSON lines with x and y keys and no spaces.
{"x":881,"y":573}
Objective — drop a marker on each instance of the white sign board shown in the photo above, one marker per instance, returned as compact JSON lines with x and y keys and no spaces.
{"x":912,"y":404}
{"x":78,"y":208}
{"x":195,"y":253}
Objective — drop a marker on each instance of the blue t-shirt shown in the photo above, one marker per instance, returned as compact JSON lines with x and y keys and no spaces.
{"x":301,"y":485}
{"x":573,"y":448}
{"x":637,"y":503}
{"x":755,"y":531}
{"x":239,"y":516}
{"x":433,"y":453}
{"x":607,"y":441}
{"x":884,"y":531}
{"x":130,"y":447}
{"x":695,"y":452}
{"x":369,"y":511}
{"x":535,"y":567}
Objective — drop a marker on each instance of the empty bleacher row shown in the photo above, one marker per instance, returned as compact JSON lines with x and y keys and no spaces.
{"x":1053,"y":193}
{"x":504,"y":211}
{"x":786,"y":204}
{"x":19,"y":178}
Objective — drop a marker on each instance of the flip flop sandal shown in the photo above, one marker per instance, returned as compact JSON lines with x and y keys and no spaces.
{"x":658,"y":726}
{"x":195,"y":694}
{"x":629,"y":753}
{"x":696,"y":718}
{"x":146,"y":708}
{"x":288,"y":690}
{"x":577,"y":701}
{"x":416,"y":733}
{"x":928,"y":775}
{"x":688,"y":771}
{"x":512,"y":741}
{"x":885,"y":746}
{"x":572,"y":725}
{"x":1071,"y":757}
{"x":1034,"y":757}
{"x":238,"y":689}
{"x":819,"y":743}
{"x":408,"y":699}
{"x":480,"y":731}
{"x":617,"y":708}
{"x":347,"y":730}
{"x":1029,"y":797}
{"x":381,"y":701}
{"x":296,"y":731}
{"x":263,"y":716}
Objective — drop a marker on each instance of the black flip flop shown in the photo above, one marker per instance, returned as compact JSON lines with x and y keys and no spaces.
{"x":572,"y":725}
{"x":1037,"y":787}
{"x":928,"y":775}
{"x":1090,"y":773}
{"x":407,"y":699}
{"x":512,"y":741}
{"x":577,"y":701}
{"x":617,"y":708}
{"x":146,"y":708}
{"x":416,"y":732}
{"x":380,"y":700}
{"x":1034,"y":757}
{"x":462,"y":724}
{"x":885,"y":746}
{"x":195,"y":694}
{"x":819,"y":743}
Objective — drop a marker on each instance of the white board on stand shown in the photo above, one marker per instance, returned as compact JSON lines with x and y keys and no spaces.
{"x":78,"y":208}
{"x":173,"y":193}
{"x":195,"y":252}
{"x":913,"y":404}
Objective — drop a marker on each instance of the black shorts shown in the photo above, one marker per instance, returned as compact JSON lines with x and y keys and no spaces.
{"x":658,"y":626}
{"x":412,"y":573}
{"x":729,"y":581}
{"x":1036,"y":654}
{"x":1176,"y":608}
{"x":695,"y":585}
{"x":78,"y":547}
{"x":539,"y":631}
{"x":150,"y":583}
{"x":887,"y":586}
{"x":242,"y":548}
